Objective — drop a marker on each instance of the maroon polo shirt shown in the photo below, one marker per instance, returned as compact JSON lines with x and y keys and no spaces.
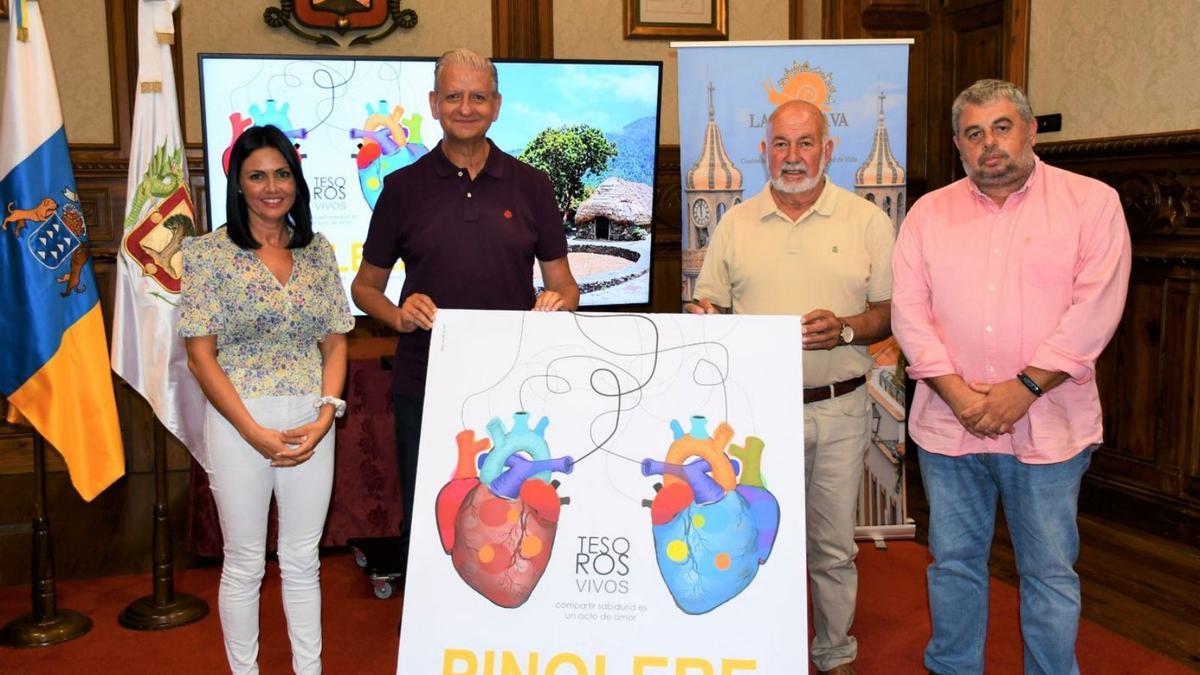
{"x":467,"y":244}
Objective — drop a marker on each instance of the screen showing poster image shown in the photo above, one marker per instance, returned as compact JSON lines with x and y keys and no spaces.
{"x":591,"y":126}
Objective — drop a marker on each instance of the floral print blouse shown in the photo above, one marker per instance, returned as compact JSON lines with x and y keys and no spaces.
{"x":267,"y":333}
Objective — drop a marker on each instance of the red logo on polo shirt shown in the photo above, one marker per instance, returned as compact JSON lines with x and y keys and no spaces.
{"x":507,"y":214}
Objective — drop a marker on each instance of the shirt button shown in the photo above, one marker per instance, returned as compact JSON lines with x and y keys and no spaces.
{"x":991,"y":288}
{"x":468,"y":195}
{"x":988,"y":328}
{"x":460,"y":174}
{"x":995,"y":250}
{"x":991,"y":369}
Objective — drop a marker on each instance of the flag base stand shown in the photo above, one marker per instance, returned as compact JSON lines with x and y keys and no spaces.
{"x":30,"y":631}
{"x":165,"y":608}
{"x":149,"y":614}
{"x":46,"y":625}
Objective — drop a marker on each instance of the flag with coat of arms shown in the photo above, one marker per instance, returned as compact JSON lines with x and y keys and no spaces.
{"x":147,"y":351}
{"x":54,"y":368}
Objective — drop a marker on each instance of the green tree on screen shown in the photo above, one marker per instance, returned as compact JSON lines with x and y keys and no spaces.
{"x":566,"y":154}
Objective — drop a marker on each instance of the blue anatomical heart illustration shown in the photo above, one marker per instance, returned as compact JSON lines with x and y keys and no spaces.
{"x":714,"y":521}
{"x":389,"y":143}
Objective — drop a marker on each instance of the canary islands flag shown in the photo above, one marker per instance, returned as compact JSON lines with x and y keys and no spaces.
{"x":54,"y":367}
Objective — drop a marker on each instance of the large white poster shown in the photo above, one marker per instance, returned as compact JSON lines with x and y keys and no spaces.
{"x":609,"y":494}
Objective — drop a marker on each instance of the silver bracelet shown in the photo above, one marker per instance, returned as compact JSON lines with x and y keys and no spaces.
{"x":339,"y":406}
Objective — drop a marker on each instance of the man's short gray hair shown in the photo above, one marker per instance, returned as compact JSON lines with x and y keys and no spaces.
{"x":822,"y":122}
{"x":466,"y":57}
{"x":986,"y":91}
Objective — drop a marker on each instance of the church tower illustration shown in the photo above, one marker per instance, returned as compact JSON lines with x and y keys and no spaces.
{"x":712,"y":186}
{"x":881,"y":179}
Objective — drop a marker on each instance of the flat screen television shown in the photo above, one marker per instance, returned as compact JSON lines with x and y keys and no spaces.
{"x":354,"y":120}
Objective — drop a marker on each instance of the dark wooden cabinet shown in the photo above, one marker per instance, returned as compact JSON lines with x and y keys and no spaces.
{"x":1147,"y":474}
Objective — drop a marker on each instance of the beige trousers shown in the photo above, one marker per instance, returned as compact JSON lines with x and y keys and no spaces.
{"x":836,"y":434}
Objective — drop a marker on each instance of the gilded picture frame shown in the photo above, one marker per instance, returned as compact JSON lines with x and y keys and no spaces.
{"x":677,"y":19}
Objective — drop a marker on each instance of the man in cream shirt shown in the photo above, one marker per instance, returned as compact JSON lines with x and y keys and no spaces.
{"x":807,"y":247}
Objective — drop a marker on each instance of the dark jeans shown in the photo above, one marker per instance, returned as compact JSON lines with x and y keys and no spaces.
{"x":407,"y":419}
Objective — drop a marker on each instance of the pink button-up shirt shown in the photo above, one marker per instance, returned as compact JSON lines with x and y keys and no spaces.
{"x":985,"y":291}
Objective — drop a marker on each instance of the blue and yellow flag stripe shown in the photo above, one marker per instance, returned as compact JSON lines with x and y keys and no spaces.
{"x":54,"y":367}
{"x":83,"y":433}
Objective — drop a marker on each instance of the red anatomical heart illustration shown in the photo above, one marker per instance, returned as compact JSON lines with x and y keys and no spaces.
{"x":498,"y":523}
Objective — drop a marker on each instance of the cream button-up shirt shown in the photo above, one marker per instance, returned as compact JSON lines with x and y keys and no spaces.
{"x":835,"y":256}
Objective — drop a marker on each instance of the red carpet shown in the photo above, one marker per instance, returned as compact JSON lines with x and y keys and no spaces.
{"x":360,"y":631}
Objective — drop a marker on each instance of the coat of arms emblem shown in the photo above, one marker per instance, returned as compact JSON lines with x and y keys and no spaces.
{"x":313,"y":19}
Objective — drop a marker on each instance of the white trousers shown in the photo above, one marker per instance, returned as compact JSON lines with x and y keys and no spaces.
{"x":836,"y":434}
{"x":242,"y":482}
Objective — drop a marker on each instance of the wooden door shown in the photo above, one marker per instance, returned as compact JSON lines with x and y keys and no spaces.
{"x":956,"y":43}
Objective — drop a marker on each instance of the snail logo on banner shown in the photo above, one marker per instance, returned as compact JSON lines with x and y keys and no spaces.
{"x":726,"y":95}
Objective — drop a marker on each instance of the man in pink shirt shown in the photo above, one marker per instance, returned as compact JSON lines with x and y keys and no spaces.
{"x":1007,"y":286}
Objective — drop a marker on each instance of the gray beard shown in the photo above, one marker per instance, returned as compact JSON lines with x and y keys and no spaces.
{"x":797,"y":188}
{"x":1021,"y":167}
{"x":805,"y":185}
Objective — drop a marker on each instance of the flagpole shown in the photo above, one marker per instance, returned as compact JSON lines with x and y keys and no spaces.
{"x":147,"y":350}
{"x":165,"y":608}
{"x":47,"y":624}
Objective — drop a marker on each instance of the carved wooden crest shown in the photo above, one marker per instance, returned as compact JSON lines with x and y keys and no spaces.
{"x":318,"y":20}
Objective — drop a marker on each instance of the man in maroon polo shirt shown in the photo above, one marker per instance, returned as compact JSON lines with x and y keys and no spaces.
{"x":468,"y":220}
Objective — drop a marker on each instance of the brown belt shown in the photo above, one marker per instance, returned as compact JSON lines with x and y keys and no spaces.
{"x":814,"y":394}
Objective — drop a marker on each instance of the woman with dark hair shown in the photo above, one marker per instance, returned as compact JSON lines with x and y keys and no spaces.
{"x":264,"y":314}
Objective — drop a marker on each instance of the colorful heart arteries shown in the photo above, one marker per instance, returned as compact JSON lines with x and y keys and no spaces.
{"x":714,"y":521}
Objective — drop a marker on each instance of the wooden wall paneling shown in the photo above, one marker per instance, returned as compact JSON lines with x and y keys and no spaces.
{"x":667,"y":269}
{"x":1141,"y":355}
{"x":1134,"y":399}
{"x":1181,"y":324}
{"x":107,"y":536}
{"x":199,"y":188}
{"x":928,"y":138}
{"x":96,"y":203}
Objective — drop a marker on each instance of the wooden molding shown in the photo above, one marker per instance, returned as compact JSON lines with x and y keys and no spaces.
{"x":796,"y":19}
{"x":1156,"y":178}
{"x":1016,"y":38}
{"x":1169,"y":144}
{"x":885,"y":17}
{"x":523,"y":29}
